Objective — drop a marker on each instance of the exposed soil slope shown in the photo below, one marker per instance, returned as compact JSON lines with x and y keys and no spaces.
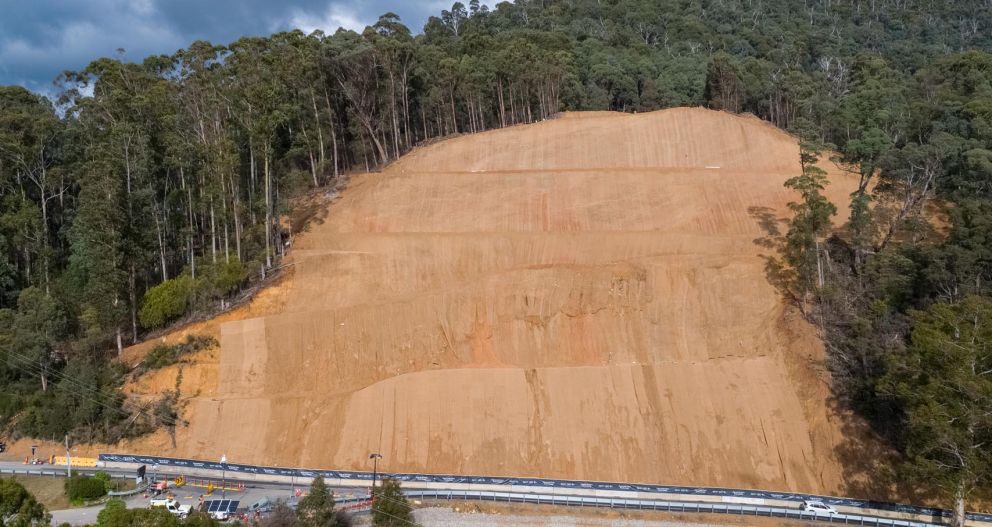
{"x":580,"y":298}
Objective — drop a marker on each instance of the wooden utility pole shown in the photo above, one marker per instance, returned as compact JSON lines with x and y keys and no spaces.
{"x":68,"y":456}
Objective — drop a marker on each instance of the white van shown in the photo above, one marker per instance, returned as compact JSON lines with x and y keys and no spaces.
{"x":817,"y":507}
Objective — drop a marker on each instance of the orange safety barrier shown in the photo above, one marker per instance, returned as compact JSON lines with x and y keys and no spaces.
{"x":212,"y":486}
{"x":76,"y":461}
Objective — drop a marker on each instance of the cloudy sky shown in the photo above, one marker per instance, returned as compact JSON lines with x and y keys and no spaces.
{"x":41,"y":38}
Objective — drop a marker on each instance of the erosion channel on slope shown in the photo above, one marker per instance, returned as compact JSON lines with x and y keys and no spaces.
{"x":580,"y":298}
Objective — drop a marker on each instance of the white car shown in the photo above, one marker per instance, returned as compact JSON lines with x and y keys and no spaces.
{"x":171,"y":505}
{"x":180,"y":511}
{"x":162,"y":502}
{"x":817,"y":507}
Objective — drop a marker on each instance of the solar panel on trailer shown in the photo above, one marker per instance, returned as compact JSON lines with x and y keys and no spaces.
{"x":222,"y":505}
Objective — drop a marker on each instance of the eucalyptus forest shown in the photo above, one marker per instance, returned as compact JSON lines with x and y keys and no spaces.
{"x":141,"y":194}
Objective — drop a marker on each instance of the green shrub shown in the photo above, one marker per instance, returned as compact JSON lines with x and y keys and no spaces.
{"x":230,"y":276}
{"x":159,"y":357}
{"x":82,"y":488}
{"x":167,"y":301}
{"x":164,"y":355}
{"x":104,"y":477}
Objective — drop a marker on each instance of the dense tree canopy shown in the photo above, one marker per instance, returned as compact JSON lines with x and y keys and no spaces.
{"x":18,"y":508}
{"x":149,"y":192}
{"x":390,"y":508}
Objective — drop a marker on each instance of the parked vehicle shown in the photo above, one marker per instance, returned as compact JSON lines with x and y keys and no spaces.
{"x":173,"y":506}
{"x":817,"y":507}
{"x":263,"y":505}
{"x":162,"y":502}
{"x":180,"y":511}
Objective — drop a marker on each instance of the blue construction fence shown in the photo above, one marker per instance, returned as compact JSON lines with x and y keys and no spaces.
{"x":535,"y":482}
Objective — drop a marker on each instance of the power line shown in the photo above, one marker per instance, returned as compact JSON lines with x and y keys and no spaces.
{"x":380,"y":511}
{"x":76,"y":387}
{"x":35,"y":369}
{"x":80,"y":389}
{"x":39,"y":370}
{"x":392,"y":500}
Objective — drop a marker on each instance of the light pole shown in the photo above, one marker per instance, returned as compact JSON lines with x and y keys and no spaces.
{"x":375,"y":457}
{"x":223,"y":477}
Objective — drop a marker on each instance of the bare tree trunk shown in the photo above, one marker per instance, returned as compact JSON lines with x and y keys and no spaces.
{"x":527,"y":101}
{"x":227,"y":247}
{"x":225,"y":217}
{"x":132,"y":294}
{"x":251,"y":180}
{"x":819,"y":266}
{"x":189,"y":210}
{"x":395,"y":116}
{"x":958,"y":519}
{"x":313,"y":168}
{"x":161,"y":244}
{"x":268,"y":213}
{"x":238,"y":230}
{"x":44,"y":220}
{"x":380,"y":149}
{"x":909,"y":203}
{"x":482,"y":116}
{"x":513,"y":109}
{"x":334,"y":138}
{"x":454,"y":114}
{"x":502,"y":105}
{"x":320,"y":132}
{"x":27,"y":262}
{"x":423,"y":120}
{"x":213,"y":232}
{"x":406,"y":108}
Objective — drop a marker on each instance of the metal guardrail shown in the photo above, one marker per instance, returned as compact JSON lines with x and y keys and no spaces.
{"x":32,"y":472}
{"x":124,"y":493}
{"x":233,"y":470}
{"x":663,"y":505}
{"x":62,"y":472}
{"x":592,"y":501}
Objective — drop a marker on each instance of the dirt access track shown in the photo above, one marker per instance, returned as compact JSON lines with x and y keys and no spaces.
{"x":579,"y":298}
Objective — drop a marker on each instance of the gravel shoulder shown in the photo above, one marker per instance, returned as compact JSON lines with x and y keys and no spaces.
{"x":486,"y":515}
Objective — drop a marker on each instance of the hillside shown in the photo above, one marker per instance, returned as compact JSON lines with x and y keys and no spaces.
{"x":580,"y":298}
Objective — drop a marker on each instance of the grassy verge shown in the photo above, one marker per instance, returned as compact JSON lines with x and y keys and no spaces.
{"x":48,"y":490}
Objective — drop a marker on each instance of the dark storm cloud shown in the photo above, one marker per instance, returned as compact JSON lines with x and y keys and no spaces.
{"x":41,"y":38}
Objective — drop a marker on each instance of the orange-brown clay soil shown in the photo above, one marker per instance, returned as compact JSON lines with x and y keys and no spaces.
{"x":586,"y":297}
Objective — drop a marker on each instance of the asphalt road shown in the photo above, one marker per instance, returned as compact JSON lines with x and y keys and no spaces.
{"x":440,"y":490}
